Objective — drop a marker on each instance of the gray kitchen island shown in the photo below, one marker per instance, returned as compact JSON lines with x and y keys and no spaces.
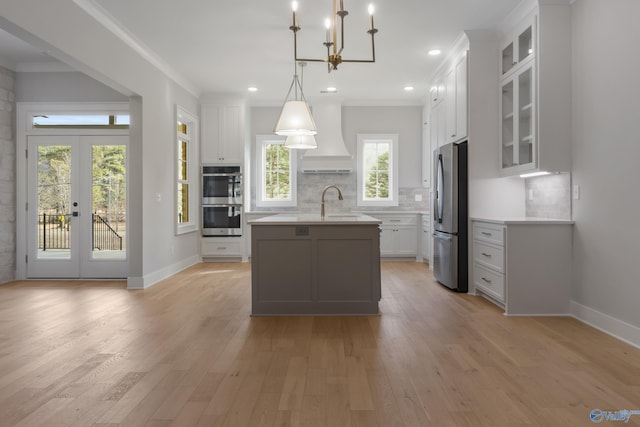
{"x":303,"y":264}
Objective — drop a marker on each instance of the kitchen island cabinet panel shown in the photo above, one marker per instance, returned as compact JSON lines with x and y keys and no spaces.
{"x":287,"y":284}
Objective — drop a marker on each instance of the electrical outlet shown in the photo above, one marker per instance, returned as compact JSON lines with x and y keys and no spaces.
{"x":530,"y":194}
{"x":576,"y":192}
{"x":418,"y":197}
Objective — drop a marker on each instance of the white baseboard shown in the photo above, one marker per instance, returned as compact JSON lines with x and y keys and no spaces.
{"x":607,"y":324}
{"x":151,"y":279}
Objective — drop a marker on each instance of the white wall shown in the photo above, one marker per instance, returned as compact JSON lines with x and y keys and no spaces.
{"x":403,"y":120}
{"x":55,"y":28}
{"x":605,"y":156}
{"x":63,"y":87}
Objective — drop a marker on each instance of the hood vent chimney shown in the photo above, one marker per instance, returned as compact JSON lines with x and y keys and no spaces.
{"x":332,"y":155}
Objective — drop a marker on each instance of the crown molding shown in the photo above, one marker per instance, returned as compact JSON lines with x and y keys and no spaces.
{"x":43,"y":67}
{"x":111,"y":23}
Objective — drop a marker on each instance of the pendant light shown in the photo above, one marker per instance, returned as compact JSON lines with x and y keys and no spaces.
{"x":295,"y":116}
{"x":301,"y":141}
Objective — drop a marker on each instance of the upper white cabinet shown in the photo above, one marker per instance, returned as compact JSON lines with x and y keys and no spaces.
{"x":456,"y":100}
{"x":535,"y":98}
{"x":426,"y":148}
{"x":437,"y":92}
{"x":222,"y":134}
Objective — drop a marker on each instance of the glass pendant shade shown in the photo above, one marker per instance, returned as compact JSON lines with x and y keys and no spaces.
{"x":301,"y":141}
{"x":295,"y":119}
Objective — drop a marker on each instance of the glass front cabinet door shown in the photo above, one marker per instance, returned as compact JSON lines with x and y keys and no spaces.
{"x":517,"y":104}
{"x":517,"y":112}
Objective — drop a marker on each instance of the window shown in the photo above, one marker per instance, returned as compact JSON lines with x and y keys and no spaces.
{"x":186,"y":126}
{"x":378,"y":170}
{"x":80,"y":121}
{"x":276,"y":172}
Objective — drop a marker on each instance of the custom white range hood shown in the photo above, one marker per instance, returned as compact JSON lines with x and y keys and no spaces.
{"x":331,"y":156}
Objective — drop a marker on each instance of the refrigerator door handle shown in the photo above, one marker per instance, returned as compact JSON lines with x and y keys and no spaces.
{"x":439,"y":190}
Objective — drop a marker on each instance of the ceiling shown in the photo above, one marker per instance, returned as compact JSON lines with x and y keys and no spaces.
{"x":227,"y":46}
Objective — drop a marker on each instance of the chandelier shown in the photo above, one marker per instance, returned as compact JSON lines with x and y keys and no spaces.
{"x":334,"y":54}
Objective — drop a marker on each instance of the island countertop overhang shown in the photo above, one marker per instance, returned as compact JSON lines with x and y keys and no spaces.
{"x":315,"y":219}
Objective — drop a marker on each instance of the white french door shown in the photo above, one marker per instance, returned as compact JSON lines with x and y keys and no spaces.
{"x":76,"y":212}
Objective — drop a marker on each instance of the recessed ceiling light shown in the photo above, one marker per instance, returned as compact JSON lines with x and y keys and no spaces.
{"x":435,"y":52}
{"x":252,"y":89}
{"x":332,"y":89}
{"x":408,"y":88}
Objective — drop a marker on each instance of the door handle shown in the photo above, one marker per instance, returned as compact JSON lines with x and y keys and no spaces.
{"x":75,"y":213}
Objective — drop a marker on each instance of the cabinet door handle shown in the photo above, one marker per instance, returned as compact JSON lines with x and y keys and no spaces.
{"x":514,"y":62}
{"x":486,"y":280}
{"x":486,"y":254}
{"x":453,"y":136}
{"x":485,"y":233}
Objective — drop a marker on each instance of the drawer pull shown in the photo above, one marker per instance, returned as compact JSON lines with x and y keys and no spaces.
{"x":222,"y":248}
{"x":486,"y":254}
{"x":486,"y":280}
{"x":394,"y":220}
{"x":486,"y":234}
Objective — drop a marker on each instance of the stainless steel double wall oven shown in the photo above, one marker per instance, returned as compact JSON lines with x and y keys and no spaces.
{"x":221,"y":200}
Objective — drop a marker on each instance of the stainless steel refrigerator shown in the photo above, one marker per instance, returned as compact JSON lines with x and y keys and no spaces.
{"x":450,"y":216}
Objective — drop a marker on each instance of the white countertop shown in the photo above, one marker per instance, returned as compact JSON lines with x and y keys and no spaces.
{"x":314,"y":219}
{"x":524,"y":220}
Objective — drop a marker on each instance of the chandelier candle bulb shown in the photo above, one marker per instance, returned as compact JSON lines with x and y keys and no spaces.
{"x":327,"y":25}
{"x":371,"y":9}
{"x":294,"y":6}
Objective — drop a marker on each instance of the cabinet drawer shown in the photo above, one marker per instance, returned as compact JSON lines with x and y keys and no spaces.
{"x":489,"y":281}
{"x":488,"y":232}
{"x":398,"y":220}
{"x":221,"y":248}
{"x":489,"y":256}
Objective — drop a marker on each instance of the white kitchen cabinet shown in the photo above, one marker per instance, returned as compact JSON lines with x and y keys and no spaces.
{"x":437,"y":92}
{"x":524,"y":266}
{"x":222,"y":134}
{"x":425,"y":238}
{"x":398,"y":235}
{"x":221,"y":247}
{"x":426,"y":148}
{"x":437,"y":126}
{"x":535,"y":97}
{"x":518,"y":118}
{"x":456,"y":100}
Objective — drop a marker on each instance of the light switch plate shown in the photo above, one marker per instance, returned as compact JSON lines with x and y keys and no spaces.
{"x":418,"y":197}
{"x":576,"y":192}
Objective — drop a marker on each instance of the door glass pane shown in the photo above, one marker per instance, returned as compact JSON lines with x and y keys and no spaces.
{"x":525,"y":44}
{"x":54,"y":202}
{"x":525,"y":117}
{"x":507,"y":124}
{"x":109,"y":204}
{"x":507,"y":58}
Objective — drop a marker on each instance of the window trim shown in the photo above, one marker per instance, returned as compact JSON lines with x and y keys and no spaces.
{"x":192,"y":169}
{"x":261,"y":142}
{"x":363,"y":139}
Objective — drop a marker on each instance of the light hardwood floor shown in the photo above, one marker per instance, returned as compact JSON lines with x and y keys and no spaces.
{"x":185,"y":352}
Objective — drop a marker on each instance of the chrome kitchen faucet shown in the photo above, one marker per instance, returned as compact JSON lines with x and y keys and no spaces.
{"x":323,"y":192}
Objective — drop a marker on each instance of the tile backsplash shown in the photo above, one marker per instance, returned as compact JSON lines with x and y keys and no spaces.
{"x":549,"y":196}
{"x":310,"y":186}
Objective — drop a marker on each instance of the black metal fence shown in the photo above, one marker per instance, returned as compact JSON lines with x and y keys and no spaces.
{"x":103,"y":236}
{"x":55,"y":231}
